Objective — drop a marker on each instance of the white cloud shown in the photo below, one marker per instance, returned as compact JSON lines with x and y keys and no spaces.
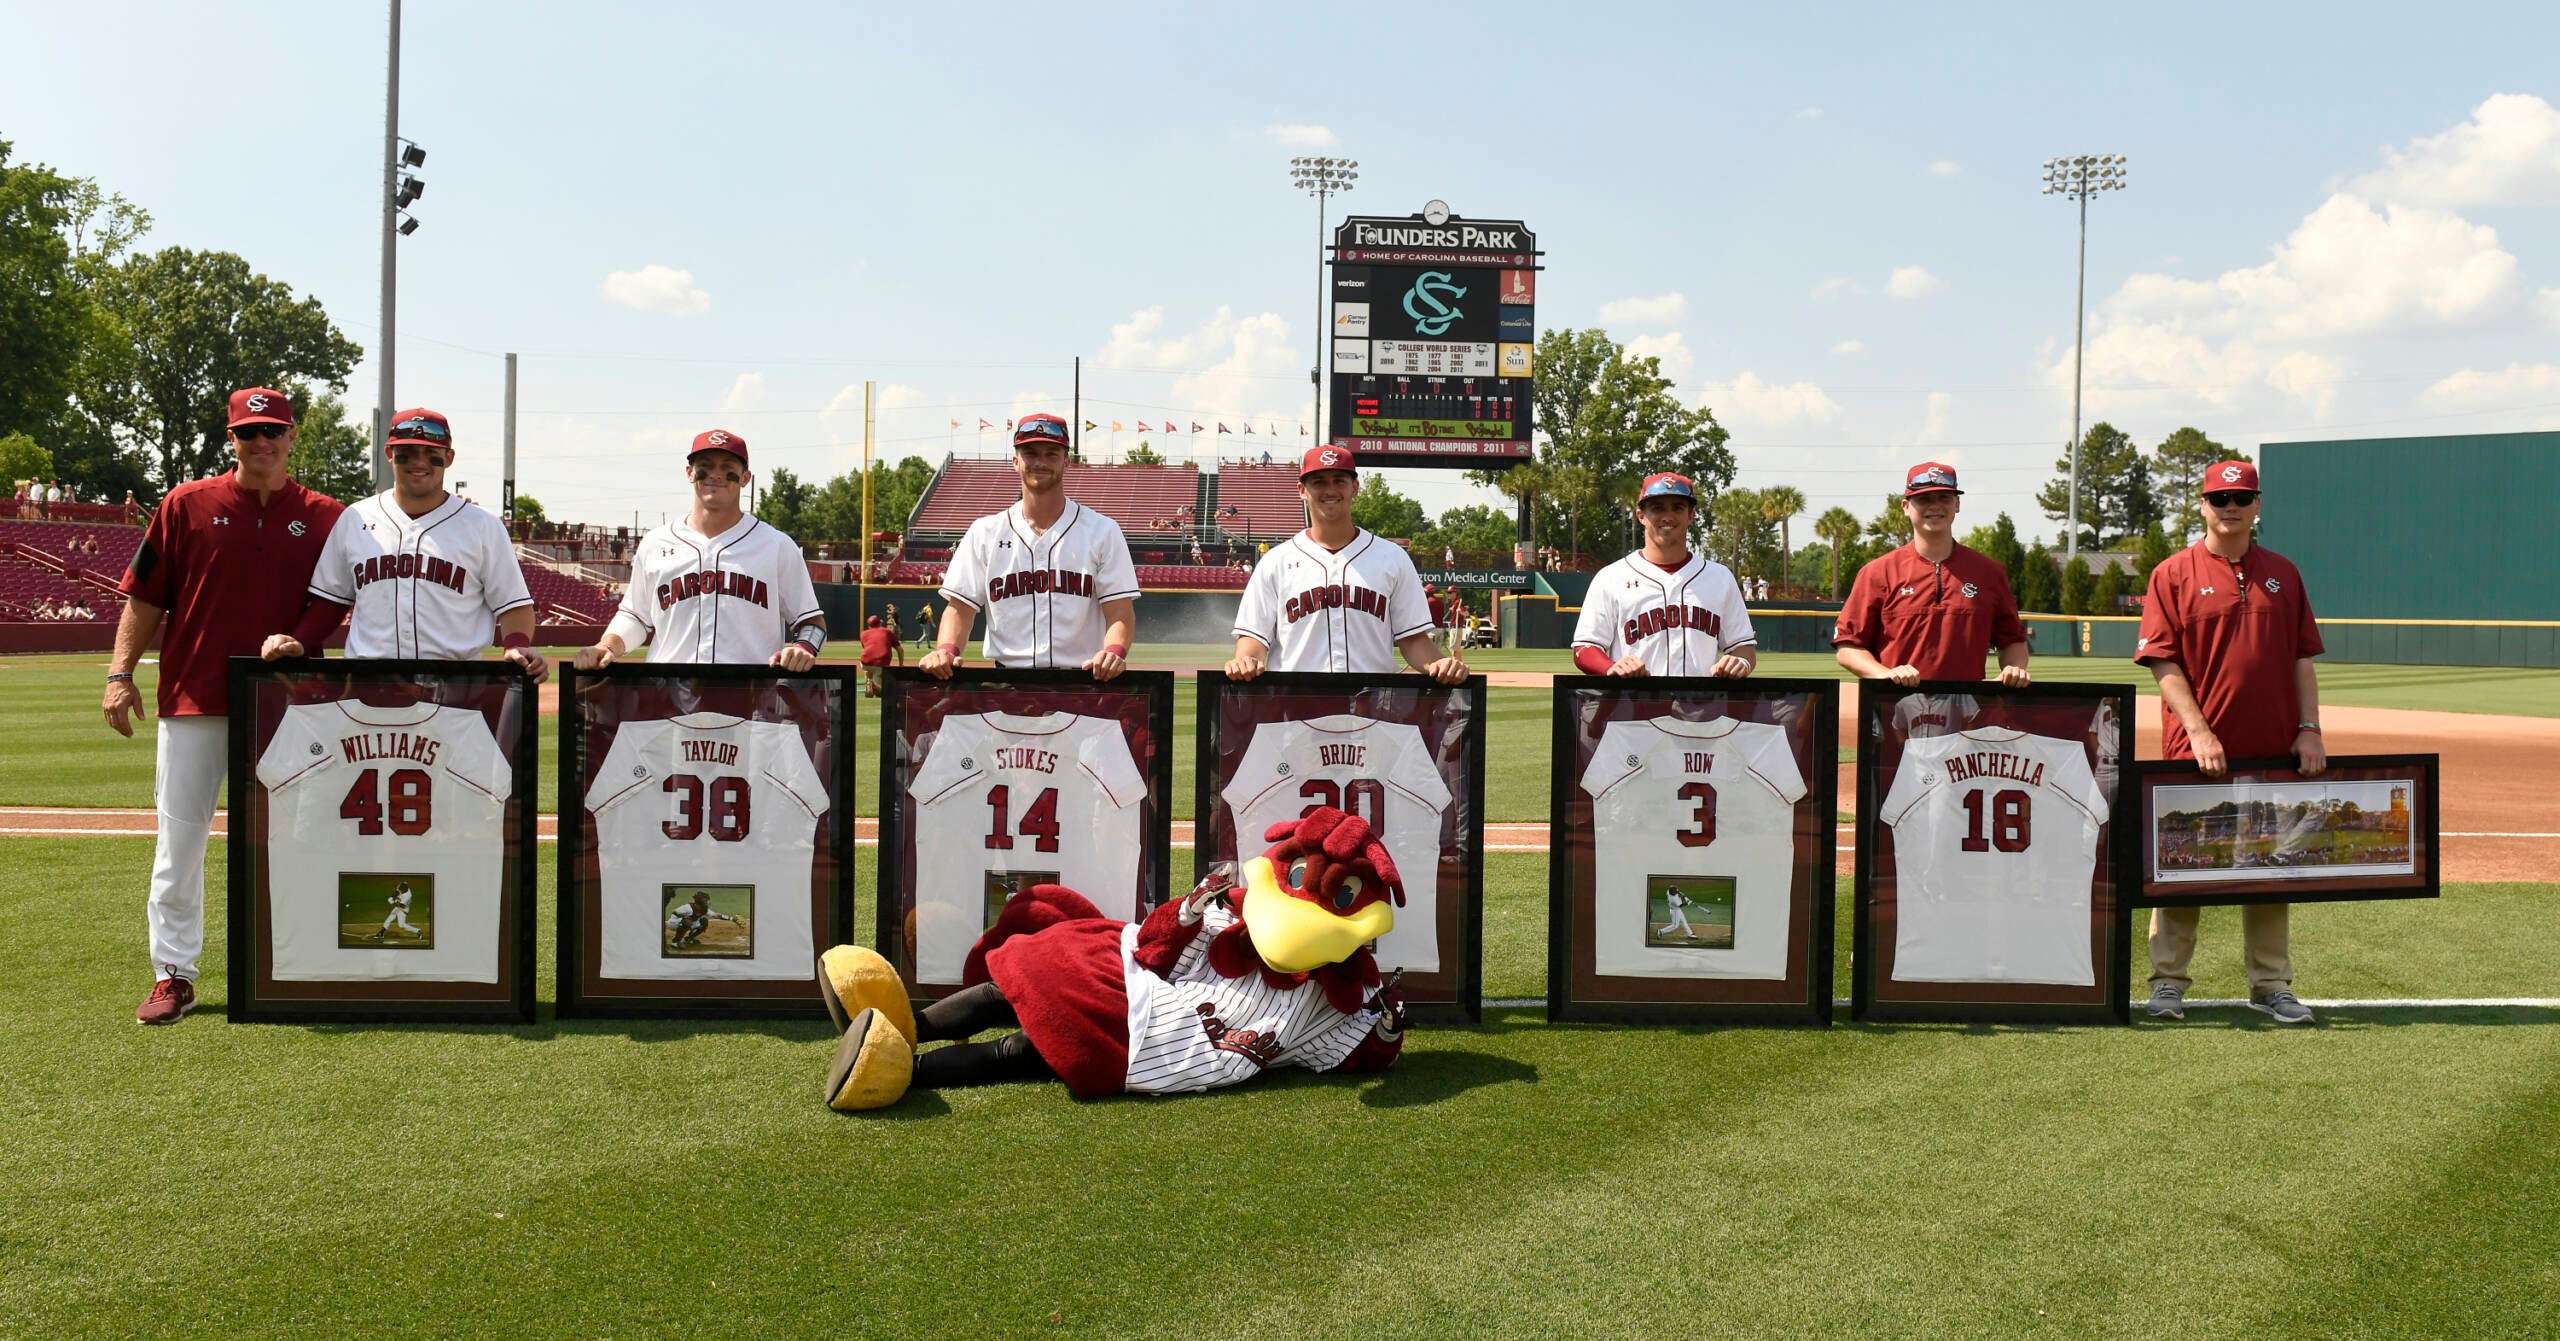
{"x":2307,"y":377}
{"x":2508,"y":153}
{"x":1911,"y":281}
{"x":2472,"y":386}
{"x":1746,"y":397}
{"x":1302,"y":136}
{"x":1668,"y":310}
{"x":1670,"y":350}
{"x":2548,"y":304}
{"x":1945,"y":167}
{"x":1850,"y":347}
{"x":656,"y":288}
{"x":746,"y":395}
{"x":1808,"y":114}
{"x":897,"y":396}
{"x":1233,"y":366}
{"x":1933,"y":428}
{"x":1838,"y":286}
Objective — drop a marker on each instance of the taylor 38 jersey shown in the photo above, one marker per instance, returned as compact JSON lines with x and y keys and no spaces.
{"x":1380,"y":771}
{"x":1341,"y":611}
{"x":707,"y":800}
{"x":1703,"y":800}
{"x":1042,"y":594}
{"x":428,"y":587}
{"x":1681,"y":621}
{"x":364,"y":801}
{"x":733,"y":597}
{"x":1005,"y":802}
{"x":1995,"y":837}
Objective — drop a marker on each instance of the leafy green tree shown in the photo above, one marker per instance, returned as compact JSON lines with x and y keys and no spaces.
{"x":2155,"y":548}
{"x":330,"y":454}
{"x":1740,"y":533}
{"x":43,"y":315}
{"x":2113,"y":487}
{"x":2177,"y":474}
{"x":2076,"y":586}
{"x":2107,"y":597}
{"x":1144,"y":455}
{"x":530,"y":509}
{"x":896,"y":488}
{"x":1840,"y":527}
{"x":781,"y":498}
{"x":1780,"y":503}
{"x":1999,"y":542}
{"x":1891,"y":525}
{"x":1470,"y":528}
{"x":2039,"y":585}
{"x":1383,"y":511}
{"x":23,"y":458}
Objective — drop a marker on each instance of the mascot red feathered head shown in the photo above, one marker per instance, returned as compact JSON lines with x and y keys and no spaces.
{"x":1325,"y":888}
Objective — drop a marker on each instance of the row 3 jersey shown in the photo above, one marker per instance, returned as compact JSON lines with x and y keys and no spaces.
{"x":1696,"y":851}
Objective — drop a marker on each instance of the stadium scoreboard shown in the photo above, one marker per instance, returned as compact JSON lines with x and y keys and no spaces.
{"x":1434,"y":339}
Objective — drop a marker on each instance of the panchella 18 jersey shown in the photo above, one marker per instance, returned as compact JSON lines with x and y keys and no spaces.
{"x":1379,"y":771}
{"x":1003,"y":803}
{"x":1702,"y":800}
{"x":707,"y":800}
{"x":1995,"y":837}
{"x":418,"y":793}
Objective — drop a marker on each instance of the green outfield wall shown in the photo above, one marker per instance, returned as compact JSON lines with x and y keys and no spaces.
{"x":2420,"y":529}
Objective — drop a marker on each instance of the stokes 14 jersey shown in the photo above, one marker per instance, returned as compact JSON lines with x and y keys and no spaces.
{"x":428,"y":587}
{"x":1005,"y":802}
{"x":1703,"y":800}
{"x":1995,"y":837}
{"x":1379,"y":771}
{"x":707,"y":799}
{"x":733,"y":597}
{"x":417,"y":792}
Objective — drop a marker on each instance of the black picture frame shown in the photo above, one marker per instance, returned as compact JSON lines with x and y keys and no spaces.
{"x":895,"y":891}
{"x":2424,"y":881}
{"x":1456,"y":995}
{"x":1876,"y":997}
{"x":582,"y":991}
{"x":1580,"y":995}
{"x":258,"y":998}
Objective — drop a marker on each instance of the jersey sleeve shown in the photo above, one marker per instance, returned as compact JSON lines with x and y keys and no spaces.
{"x":502,"y":583}
{"x":787,"y":761}
{"x":151,"y":577}
{"x":1597,"y":625}
{"x":625,"y":772}
{"x":294,"y":752}
{"x":1116,"y":577}
{"x":2007,"y":629}
{"x":1773,"y":760}
{"x":1910,"y":782}
{"x":330,"y":578}
{"x":965,"y":579}
{"x":2157,"y":638}
{"x":952,"y":760}
{"x":2307,"y":635}
{"x":1611,"y":763}
{"x":1861,"y":622}
{"x":2072,"y":778}
{"x":476,"y":760}
{"x":1416,"y":772}
{"x":1254,"y":775}
{"x":1258,"y":613}
{"x":794,"y":595}
{"x":1737,"y":620}
{"x":1408,"y":611}
{"x":1105,"y":753}
{"x":631,"y":621}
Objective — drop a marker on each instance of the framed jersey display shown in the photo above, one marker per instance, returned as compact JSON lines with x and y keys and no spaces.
{"x":997,"y":780}
{"x":382,"y":840}
{"x":706,"y":838}
{"x":1994,"y":874}
{"x":2263,"y":833}
{"x":1692,"y":824}
{"x":1402,"y":752}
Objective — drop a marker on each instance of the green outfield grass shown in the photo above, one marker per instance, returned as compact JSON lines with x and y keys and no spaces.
{"x":2388,"y":1173}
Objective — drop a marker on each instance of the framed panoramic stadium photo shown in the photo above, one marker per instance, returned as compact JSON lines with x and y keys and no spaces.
{"x":1404,"y":753}
{"x":1692,"y":827}
{"x":996,"y":780}
{"x":382,"y":841}
{"x":2365,"y":828}
{"x":1994,"y":869}
{"x":706,"y":839}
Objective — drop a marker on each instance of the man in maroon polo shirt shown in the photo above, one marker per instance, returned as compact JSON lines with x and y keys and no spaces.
{"x":1932,"y":609}
{"x":225,"y":562}
{"x":2228,"y":634}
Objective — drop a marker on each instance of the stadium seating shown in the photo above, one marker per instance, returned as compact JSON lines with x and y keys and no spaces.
{"x":966,"y":490}
{"x":116,"y":544}
{"x":22,"y":584}
{"x":559,"y":598}
{"x":1267,"y":496}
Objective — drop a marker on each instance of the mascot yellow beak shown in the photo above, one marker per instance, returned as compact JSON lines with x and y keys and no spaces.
{"x":1295,"y":935}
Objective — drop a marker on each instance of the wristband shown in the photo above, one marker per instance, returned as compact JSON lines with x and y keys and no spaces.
{"x":952,"y":648}
{"x":812,"y":635}
{"x":515,"y":640}
{"x":126,"y":676}
{"x":2312,"y":727}
{"x":1120,"y":650}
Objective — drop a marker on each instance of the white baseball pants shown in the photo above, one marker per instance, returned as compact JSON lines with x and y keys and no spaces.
{"x":194,"y":759}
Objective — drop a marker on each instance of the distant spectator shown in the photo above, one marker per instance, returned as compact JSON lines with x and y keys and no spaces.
{"x":43,"y":499}
{"x":80,"y":609}
{"x":879,"y":645}
{"x":1449,"y":557}
{"x":1266,"y":458}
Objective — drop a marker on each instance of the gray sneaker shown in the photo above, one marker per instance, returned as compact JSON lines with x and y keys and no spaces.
{"x":2168,"y":1001}
{"x":2282,"y":1005}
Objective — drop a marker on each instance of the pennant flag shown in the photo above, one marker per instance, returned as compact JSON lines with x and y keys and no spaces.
{"x":1302,"y":430}
{"x":1008,"y":426}
{"x":1195,"y":427}
{"x":1224,"y":429}
{"x":1248,"y":428}
{"x":1088,"y":426}
{"x":983,"y":426}
{"x":1115,"y":426}
{"x":1142,"y":427}
{"x":955,"y":423}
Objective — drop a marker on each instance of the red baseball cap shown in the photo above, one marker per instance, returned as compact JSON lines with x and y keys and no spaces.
{"x":425,"y":427}
{"x":718,"y":440}
{"x":1041,"y":428}
{"x":1326,"y":458}
{"x":1930,"y":477}
{"x":2229,"y":475}
{"x":1668,"y":485}
{"x":260,"y":405}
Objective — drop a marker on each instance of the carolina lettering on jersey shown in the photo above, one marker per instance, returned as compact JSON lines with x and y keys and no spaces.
{"x":744,"y":586}
{"x":1023,"y":756}
{"x":710,"y":752}
{"x":1965,"y":767}
{"x":1038,"y":582}
{"x":1666,"y":617}
{"x":440,"y":572}
{"x":1336,"y":596}
{"x":392,"y":745}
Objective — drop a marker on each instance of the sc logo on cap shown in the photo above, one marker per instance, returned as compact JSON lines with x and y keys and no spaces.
{"x":2231,"y":474}
{"x":257,"y":405}
{"x":1330,"y":457}
{"x":718,"y":440}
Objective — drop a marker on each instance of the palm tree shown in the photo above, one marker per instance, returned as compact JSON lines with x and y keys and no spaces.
{"x":1840,"y":527}
{"x":1780,"y":503}
{"x":1735,"y":512}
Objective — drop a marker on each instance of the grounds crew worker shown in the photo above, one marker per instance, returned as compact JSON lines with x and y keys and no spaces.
{"x":1929,"y":610}
{"x":2228,"y":634}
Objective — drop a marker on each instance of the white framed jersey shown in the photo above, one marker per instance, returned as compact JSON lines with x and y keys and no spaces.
{"x":1003,"y":802}
{"x":1193,"y":1029}
{"x":366,"y":803}
{"x":733,"y":597}
{"x":1673,"y":798}
{"x":1341,"y":611}
{"x":1681,"y":621}
{"x":1042,"y":594}
{"x":428,"y":587}
{"x":706,"y":798}
{"x":1380,"y":771}
{"x":1995,"y":838}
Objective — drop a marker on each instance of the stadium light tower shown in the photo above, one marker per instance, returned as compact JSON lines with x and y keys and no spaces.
{"x":2078,"y":179}
{"x":400,"y":189}
{"x":1322,"y":177}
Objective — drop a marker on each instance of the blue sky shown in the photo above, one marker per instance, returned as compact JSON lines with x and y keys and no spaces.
{"x":1826,"y":224}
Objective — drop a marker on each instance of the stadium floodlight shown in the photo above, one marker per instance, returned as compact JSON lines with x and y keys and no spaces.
{"x":2076,"y":179}
{"x":407,"y":225}
{"x":1321,"y":176}
{"x":410,"y":189}
{"x":411,"y":156}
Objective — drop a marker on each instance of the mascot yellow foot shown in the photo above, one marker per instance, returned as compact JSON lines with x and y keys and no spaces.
{"x":853,"y":979}
{"x":872,"y":1065}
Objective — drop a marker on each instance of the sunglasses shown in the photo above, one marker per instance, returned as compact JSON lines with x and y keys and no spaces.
{"x":1046,"y":428}
{"x":2232,"y":498}
{"x":422,"y":428}
{"x":246,"y":431}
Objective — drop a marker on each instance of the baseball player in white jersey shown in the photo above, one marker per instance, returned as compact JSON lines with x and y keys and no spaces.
{"x":399,"y":915}
{"x":719,"y":586}
{"x":1334,"y":597}
{"x":1052,"y":576}
{"x":423,"y":573}
{"x":1679,"y":915}
{"x":1664,"y":610}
